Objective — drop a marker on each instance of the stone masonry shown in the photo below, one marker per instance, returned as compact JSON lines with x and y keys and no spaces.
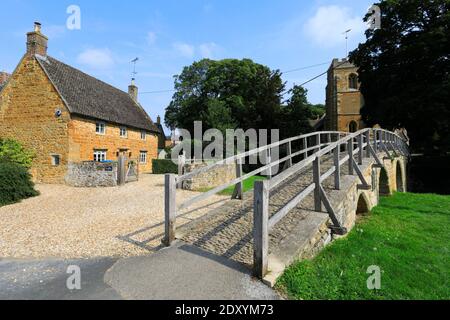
{"x":210,"y":179}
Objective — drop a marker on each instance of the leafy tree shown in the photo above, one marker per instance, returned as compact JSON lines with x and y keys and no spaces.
{"x":226,"y":94}
{"x":404,"y":69}
{"x":318,"y":110}
{"x":13,"y":151}
{"x":296,"y":113}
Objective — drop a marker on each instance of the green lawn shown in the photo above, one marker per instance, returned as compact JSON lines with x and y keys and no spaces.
{"x":248,"y":185}
{"x":407,"y":236}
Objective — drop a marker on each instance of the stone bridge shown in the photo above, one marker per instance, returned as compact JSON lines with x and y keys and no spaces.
{"x":331,"y":180}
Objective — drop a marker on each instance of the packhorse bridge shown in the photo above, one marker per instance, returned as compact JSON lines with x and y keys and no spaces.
{"x":328,"y":180}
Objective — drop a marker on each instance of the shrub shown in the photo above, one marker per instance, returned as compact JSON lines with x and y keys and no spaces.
{"x":15,"y":183}
{"x":163,"y":166}
{"x":13,"y":151}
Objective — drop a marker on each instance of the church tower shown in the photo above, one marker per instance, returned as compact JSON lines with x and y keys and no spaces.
{"x":343,"y":98}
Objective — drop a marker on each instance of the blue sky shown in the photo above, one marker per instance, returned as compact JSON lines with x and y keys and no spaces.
{"x":168,"y":35}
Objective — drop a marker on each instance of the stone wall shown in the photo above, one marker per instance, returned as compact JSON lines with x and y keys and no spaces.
{"x":92,"y":174}
{"x":27,"y":114}
{"x":212,"y":178}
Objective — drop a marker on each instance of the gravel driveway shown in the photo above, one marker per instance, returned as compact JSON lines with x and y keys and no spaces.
{"x":66,"y":222}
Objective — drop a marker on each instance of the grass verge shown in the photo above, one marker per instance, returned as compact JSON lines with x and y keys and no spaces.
{"x":248,"y":185}
{"x":407,"y":236}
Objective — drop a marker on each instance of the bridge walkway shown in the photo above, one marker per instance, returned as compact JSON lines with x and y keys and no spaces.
{"x":228,"y":230}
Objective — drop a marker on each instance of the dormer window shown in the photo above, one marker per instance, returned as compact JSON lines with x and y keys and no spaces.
{"x":100,"y":128}
{"x":123,"y":132}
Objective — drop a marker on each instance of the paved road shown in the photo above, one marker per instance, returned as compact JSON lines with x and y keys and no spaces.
{"x":177,"y":273}
{"x":47,"y":280}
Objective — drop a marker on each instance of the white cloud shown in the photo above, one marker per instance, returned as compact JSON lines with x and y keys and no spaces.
{"x":184,"y":49}
{"x":96,"y":58}
{"x":151,"y":38}
{"x":326,"y":27}
{"x":208,"y":50}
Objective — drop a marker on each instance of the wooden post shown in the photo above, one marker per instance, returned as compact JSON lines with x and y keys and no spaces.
{"x":337,"y":173}
{"x":375,"y":144}
{"x":361,"y":150}
{"x":239,"y":188}
{"x":316,"y":177}
{"x":350,"y":155}
{"x":269,"y":161}
{"x":181,"y":165}
{"x":121,"y":173}
{"x":170,"y":209}
{"x":368,"y":144}
{"x":305,"y":143}
{"x":289,"y":153}
{"x":318,"y":142}
{"x":260,"y":229}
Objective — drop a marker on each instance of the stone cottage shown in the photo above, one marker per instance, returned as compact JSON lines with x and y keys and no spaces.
{"x":66,"y":116}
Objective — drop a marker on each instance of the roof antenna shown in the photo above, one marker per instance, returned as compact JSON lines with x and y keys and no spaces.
{"x":346,"y":41}
{"x":134,"y":73}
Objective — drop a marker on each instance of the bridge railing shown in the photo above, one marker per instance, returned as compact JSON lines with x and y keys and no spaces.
{"x":365,"y":143}
{"x":310,"y":144}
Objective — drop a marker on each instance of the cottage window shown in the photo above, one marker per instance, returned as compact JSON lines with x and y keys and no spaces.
{"x":99,"y":155}
{"x":143,"y":157}
{"x":56,"y":160}
{"x":143,"y":135}
{"x":100,"y":128}
{"x":123,"y":132}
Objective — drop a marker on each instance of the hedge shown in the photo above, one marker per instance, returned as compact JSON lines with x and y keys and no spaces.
{"x":163,"y":166}
{"x":15,"y":183}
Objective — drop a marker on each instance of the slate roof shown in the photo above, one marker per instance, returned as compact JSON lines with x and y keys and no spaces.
{"x":89,"y":97}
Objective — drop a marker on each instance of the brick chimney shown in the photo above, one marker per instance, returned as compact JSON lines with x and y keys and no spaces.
{"x":133,"y":91}
{"x":158,"y":120}
{"x":36,"y":41}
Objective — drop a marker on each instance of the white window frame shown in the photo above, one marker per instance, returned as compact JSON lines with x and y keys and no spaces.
{"x":100,"y":155}
{"x":100,"y":125}
{"x":143,"y":157}
{"x":125,"y":130}
{"x":143,"y":135}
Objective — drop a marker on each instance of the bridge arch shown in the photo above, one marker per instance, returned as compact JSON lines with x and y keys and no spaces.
{"x":383,"y":184}
{"x":363,"y":206}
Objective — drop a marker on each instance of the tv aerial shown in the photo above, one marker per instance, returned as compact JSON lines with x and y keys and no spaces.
{"x":346,"y":33}
{"x":134,"y":73}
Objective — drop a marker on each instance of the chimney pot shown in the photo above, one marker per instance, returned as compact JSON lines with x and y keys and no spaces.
{"x":133,"y":90}
{"x":158,"y":120}
{"x":37,"y":26}
{"x":36,"y":41}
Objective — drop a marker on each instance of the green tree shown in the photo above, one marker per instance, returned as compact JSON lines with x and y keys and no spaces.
{"x":404,"y":69}
{"x":226,"y":94}
{"x":296,"y":113}
{"x":318,"y":110}
{"x":13,"y":151}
